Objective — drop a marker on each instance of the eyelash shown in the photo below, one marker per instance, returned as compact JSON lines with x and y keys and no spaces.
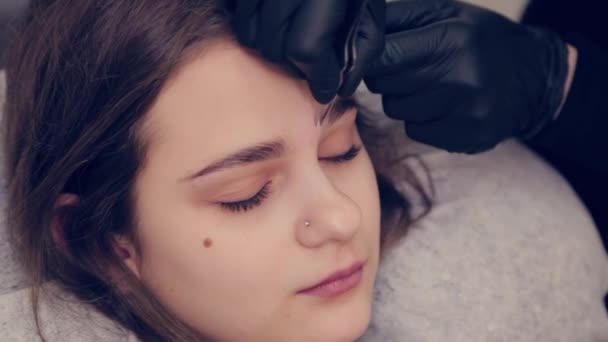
{"x":257,"y":199}
{"x":351,"y":154}
{"x":250,"y":203}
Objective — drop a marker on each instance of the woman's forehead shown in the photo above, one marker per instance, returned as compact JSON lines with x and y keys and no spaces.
{"x":226,"y":82}
{"x":227,"y":99}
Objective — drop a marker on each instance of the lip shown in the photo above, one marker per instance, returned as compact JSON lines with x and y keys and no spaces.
{"x":337,"y":283}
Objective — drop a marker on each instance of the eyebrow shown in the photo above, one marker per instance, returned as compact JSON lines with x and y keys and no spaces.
{"x":340,"y":107}
{"x":261,"y":152}
{"x":268,"y":150}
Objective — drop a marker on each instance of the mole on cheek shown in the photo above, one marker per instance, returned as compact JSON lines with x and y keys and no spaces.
{"x":207,"y":242}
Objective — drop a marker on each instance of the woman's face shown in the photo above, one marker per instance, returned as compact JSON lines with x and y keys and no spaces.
{"x":235,"y":166}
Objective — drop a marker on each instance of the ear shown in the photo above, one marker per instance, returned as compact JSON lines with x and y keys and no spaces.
{"x":58,"y":222}
{"x":125,"y":248}
{"x":122,"y":245}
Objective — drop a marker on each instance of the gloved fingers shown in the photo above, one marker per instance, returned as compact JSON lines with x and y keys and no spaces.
{"x":313,"y":30}
{"x":427,"y":105}
{"x":273,"y":26}
{"x":246,"y":22}
{"x":446,"y":135}
{"x":412,"y":52}
{"x":369,"y":44}
{"x":460,"y":131}
{"x":311,"y":45}
{"x":409,"y":14}
{"x":324,"y":77}
{"x":397,"y":83}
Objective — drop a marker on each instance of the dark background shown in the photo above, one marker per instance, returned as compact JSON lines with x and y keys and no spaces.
{"x":585,"y":17}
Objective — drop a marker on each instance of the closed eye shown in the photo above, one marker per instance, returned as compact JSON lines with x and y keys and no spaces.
{"x":257,"y":199}
{"x":351,"y":154}
{"x":249,"y":203}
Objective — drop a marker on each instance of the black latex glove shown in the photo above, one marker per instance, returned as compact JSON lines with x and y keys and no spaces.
{"x":463,"y":78}
{"x":307,"y":36}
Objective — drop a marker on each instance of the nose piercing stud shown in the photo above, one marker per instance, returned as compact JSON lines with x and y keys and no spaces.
{"x":306,"y":224}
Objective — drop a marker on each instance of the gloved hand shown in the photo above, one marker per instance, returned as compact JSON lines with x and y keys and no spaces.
{"x":306,"y":36}
{"x":463,"y":78}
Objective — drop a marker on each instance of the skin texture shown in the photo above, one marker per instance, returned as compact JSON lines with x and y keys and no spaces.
{"x":235,"y":275}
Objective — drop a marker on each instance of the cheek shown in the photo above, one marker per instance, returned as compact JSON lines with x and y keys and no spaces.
{"x":190,"y":264}
{"x":184,"y":245}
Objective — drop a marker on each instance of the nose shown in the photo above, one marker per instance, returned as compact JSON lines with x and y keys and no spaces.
{"x":331,"y":216}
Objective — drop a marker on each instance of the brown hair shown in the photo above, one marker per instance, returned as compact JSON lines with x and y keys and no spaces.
{"x":81,"y":77}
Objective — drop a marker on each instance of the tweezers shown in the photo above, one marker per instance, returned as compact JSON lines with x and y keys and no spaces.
{"x":350,"y":50}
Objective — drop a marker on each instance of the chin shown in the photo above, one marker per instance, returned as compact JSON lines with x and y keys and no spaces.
{"x":353,"y":329}
{"x":341,"y":319}
{"x":347,"y":321}
{"x":338,"y":329}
